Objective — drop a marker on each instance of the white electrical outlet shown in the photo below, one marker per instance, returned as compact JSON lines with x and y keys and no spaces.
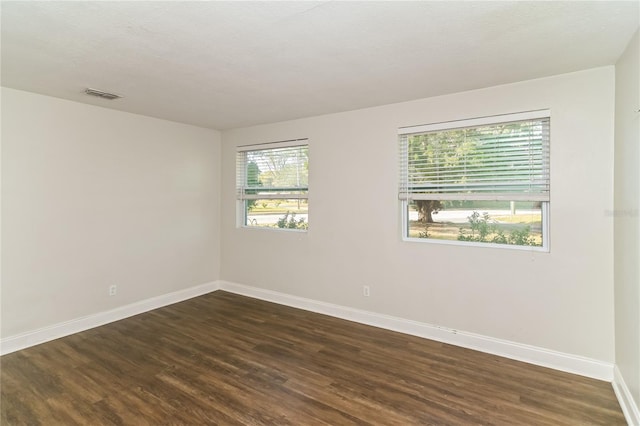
{"x":366,"y":291}
{"x":113,"y":289}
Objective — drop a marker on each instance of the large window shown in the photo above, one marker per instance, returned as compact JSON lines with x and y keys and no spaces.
{"x":479,"y":181}
{"x":272,"y":185}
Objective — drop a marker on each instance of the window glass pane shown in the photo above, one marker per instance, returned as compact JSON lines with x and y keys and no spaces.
{"x":477,"y":180}
{"x":274,"y":213}
{"x":499,"y":222}
{"x":272,"y":185}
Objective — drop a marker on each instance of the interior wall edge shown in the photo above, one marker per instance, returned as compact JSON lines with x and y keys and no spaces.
{"x":627,"y":404}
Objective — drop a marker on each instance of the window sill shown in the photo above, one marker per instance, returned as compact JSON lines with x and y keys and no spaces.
{"x":539,"y":249}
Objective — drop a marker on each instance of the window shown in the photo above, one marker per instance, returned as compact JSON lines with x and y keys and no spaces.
{"x":478,"y":181}
{"x":272,"y":185}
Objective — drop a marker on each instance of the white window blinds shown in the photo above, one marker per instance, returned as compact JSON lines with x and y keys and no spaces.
{"x":273,"y":171}
{"x":478,"y":159}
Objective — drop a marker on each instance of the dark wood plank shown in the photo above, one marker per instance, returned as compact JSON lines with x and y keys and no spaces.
{"x":232,"y":360}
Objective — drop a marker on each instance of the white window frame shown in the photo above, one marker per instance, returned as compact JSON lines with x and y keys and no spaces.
{"x":405,"y":198}
{"x":241,"y":175}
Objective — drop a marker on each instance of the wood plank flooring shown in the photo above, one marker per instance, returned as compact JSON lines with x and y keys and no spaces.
{"x":231,"y":360}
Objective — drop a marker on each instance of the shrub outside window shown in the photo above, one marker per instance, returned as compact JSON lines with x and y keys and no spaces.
{"x":480,"y":181}
{"x":272,"y":185}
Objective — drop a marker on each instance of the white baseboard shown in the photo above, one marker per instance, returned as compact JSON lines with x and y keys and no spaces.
{"x":518,"y":351}
{"x":534,"y":355}
{"x":56,"y":331}
{"x":627,"y":403}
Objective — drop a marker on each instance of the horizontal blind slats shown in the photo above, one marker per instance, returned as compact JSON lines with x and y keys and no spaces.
{"x":272,"y":173}
{"x":491,"y":160}
{"x":510,"y":196}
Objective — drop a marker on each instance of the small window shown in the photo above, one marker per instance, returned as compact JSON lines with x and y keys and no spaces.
{"x":479,"y":181}
{"x":272,"y":185}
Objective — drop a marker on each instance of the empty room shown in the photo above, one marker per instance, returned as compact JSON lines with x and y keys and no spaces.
{"x":320,"y":213}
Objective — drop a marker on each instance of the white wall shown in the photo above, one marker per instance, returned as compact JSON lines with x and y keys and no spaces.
{"x":91,"y":197}
{"x":627,"y":217}
{"x":562,"y":300}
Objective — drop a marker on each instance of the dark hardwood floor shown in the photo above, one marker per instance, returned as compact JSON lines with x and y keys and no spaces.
{"x":231,"y":360}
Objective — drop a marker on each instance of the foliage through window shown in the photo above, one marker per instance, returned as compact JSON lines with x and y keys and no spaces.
{"x":482,"y":180}
{"x":272,"y":185}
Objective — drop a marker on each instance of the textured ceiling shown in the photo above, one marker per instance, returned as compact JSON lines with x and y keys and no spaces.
{"x":230,"y":64}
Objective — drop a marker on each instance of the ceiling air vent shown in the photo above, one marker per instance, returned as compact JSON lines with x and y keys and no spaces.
{"x":101,"y":94}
